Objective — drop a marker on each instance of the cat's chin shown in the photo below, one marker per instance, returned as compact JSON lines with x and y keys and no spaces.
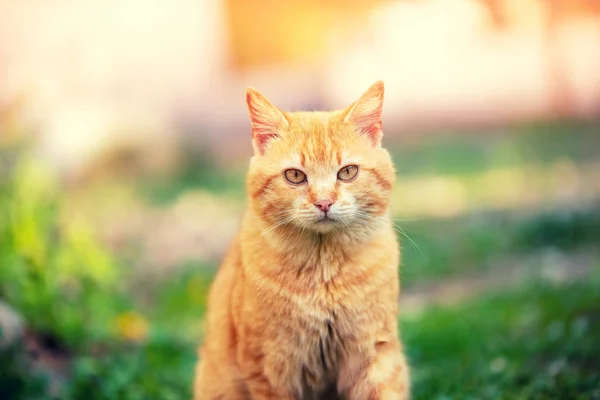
{"x":326,"y":225}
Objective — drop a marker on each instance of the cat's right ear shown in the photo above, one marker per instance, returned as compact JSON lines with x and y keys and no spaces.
{"x":365,"y":113}
{"x":267,"y":121}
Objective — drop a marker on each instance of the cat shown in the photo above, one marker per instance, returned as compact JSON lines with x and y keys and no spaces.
{"x":305,"y":303}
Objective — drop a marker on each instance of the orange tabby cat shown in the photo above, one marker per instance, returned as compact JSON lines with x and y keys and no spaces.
{"x":305,"y":303}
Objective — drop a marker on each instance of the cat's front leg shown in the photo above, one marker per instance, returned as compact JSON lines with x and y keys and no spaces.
{"x":263,"y":378}
{"x":261,"y":389}
{"x":384,"y":376}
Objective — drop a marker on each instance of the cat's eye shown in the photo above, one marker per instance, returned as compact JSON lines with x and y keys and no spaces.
{"x":295,"y":176}
{"x":348,"y":173}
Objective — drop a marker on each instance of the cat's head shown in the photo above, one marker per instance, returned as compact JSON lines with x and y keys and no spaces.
{"x":319,"y":171}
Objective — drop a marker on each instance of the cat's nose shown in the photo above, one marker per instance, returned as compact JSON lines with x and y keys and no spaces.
{"x":324,"y":205}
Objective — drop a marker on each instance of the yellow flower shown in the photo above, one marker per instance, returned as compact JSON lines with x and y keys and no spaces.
{"x":132,"y":326}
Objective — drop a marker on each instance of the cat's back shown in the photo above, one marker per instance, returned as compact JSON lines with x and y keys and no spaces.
{"x":217,"y":355}
{"x":219,"y":300}
{"x":220,"y":329}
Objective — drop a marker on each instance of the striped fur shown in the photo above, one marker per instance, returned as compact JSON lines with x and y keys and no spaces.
{"x":301,"y":308}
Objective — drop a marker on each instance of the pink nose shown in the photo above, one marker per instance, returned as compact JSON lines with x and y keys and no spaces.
{"x":324,"y":205}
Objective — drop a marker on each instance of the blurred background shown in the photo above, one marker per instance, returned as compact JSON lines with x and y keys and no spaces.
{"x":124,"y":140}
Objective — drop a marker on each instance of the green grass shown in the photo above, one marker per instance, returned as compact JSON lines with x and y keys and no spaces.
{"x":539,"y":341}
{"x":161,"y":369}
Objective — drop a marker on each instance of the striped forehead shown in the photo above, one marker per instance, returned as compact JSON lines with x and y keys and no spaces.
{"x":316,"y":142}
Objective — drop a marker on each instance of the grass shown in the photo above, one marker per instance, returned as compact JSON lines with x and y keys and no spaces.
{"x":538,"y":341}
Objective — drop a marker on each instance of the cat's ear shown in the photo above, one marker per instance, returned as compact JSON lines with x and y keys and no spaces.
{"x":365,"y":113}
{"x":267,"y":121}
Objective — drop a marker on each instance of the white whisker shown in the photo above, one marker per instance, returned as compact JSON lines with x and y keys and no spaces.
{"x":366,"y":217}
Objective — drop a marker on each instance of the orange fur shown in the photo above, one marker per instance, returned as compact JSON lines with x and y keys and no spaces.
{"x":305,"y":308}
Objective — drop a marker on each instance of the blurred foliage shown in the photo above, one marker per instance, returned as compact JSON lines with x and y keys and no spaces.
{"x":197,"y":169}
{"x":16,"y":380}
{"x":563,"y":230}
{"x":70,"y":289}
{"x":459,"y":153}
{"x":186,"y":292}
{"x":447,"y":247}
{"x":53,"y":270}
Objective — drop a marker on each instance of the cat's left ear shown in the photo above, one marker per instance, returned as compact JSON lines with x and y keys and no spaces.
{"x":365,"y":113}
{"x":267,"y":121}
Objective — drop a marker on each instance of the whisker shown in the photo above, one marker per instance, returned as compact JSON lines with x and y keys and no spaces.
{"x":276,"y":224}
{"x":391,"y":222}
{"x":414,"y":244}
{"x":407,"y":220}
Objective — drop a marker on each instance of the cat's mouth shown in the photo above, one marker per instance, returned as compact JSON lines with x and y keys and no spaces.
{"x":325,"y":219}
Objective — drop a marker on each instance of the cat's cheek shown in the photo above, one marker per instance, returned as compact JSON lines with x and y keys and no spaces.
{"x":370,"y":201}
{"x":300,"y":207}
{"x":346,"y":204}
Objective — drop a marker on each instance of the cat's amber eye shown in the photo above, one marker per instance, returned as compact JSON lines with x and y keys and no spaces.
{"x":348,"y":173}
{"x":295,"y":176}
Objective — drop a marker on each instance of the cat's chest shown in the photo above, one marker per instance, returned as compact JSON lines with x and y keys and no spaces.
{"x":328,"y":324}
{"x":327,"y":305}
{"x":325,"y":339}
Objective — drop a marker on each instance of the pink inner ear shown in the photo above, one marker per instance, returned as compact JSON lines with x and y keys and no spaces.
{"x":265,"y":118}
{"x":369,"y":124}
{"x":365,"y":114}
{"x":261,"y":140}
{"x":263,"y":131}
